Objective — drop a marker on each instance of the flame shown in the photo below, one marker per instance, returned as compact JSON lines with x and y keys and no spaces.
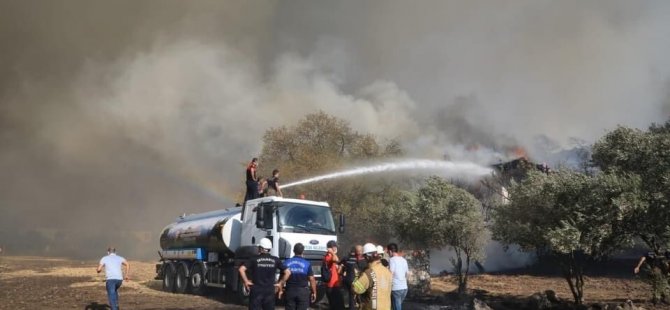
{"x":473,"y":147}
{"x":519,"y":152}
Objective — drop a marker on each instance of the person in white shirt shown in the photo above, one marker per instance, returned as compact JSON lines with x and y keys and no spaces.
{"x":114,"y":275}
{"x":399,"y":270}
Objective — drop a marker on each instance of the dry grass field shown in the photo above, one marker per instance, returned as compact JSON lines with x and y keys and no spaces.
{"x":52,"y":283}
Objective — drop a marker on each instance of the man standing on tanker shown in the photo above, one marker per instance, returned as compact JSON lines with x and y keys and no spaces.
{"x":252,"y":180}
{"x":301,"y":285}
{"x":262,"y":285}
{"x":273,"y":183}
{"x":114,"y":275}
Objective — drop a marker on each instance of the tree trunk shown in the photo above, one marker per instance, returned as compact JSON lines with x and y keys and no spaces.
{"x":579,"y":284}
{"x":460,"y":275}
{"x":575,"y":276}
{"x":464,"y":284}
{"x":458,"y":269}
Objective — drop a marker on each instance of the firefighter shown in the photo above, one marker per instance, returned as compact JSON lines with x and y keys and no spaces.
{"x":353,"y":265}
{"x":382,"y":255}
{"x":374,"y":284}
{"x":653,"y":269}
{"x":262,"y":285}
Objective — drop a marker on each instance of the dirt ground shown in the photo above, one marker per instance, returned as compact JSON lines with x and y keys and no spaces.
{"x":515,"y":287}
{"x":49,"y":283}
{"x":52,"y":283}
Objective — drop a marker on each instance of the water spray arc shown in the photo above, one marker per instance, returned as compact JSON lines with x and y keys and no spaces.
{"x":444,"y":168}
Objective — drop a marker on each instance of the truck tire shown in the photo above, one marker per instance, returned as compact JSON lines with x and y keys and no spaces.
{"x":169,"y":275}
{"x":197,"y":280}
{"x":181,"y":279}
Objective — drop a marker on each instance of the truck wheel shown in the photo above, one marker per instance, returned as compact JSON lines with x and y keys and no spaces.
{"x":197,"y":280}
{"x":169,"y":274}
{"x":181,"y":279}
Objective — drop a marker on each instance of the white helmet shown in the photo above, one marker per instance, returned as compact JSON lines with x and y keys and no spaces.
{"x":380,"y":250}
{"x":369,"y":248}
{"x":265,"y":243}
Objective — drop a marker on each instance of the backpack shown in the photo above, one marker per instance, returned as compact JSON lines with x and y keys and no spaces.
{"x":326,"y":275}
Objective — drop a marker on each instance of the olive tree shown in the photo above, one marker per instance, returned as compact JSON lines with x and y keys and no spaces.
{"x":569,"y":217}
{"x":440,"y":215}
{"x":320,"y":143}
{"x":647,"y":155}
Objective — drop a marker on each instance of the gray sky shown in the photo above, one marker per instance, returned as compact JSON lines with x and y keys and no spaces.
{"x":120,"y":115}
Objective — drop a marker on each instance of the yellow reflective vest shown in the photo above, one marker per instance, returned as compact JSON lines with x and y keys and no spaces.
{"x":374,"y":286}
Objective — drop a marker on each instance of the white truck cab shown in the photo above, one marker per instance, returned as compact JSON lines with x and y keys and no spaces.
{"x":287,"y":221}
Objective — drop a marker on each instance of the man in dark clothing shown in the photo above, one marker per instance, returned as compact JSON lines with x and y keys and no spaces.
{"x":262,"y":268}
{"x":252,"y":180}
{"x":273,"y":183}
{"x":655,"y":272}
{"x":354,"y":264}
{"x":301,"y":282}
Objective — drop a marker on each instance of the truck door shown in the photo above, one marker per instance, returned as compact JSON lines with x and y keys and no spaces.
{"x":259,"y":223}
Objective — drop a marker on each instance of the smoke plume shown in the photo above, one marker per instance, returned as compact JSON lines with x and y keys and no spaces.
{"x":116,"y":117}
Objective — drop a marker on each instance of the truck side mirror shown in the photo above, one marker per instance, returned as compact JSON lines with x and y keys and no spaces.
{"x":260,"y":217}
{"x":342,"y":223}
{"x":264,"y":216}
{"x":269,"y":212}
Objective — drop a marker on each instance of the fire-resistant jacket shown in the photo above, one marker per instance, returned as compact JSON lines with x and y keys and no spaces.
{"x":374,"y":286}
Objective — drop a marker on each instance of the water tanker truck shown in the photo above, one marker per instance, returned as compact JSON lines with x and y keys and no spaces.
{"x":202,"y":251}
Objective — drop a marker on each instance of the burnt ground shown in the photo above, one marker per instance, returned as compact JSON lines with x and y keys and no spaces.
{"x":50,"y":283}
{"x":53,"y":283}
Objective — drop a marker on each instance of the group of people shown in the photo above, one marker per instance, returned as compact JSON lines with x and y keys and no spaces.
{"x":260,"y":186}
{"x":368,"y":278}
{"x":361,"y":275}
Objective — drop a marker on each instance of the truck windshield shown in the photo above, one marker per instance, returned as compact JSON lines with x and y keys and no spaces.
{"x":304,"y":218}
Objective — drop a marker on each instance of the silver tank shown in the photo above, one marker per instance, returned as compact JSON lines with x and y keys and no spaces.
{"x":216,"y":231}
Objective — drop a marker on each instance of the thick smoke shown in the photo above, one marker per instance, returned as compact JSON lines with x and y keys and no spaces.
{"x":116,"y":117}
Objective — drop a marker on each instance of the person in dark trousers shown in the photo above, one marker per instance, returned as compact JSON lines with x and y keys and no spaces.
{"x":333,"y":287}
{"x":353,"y":265}
{"x":262,"y":285}
{"x":301,"y":285}
{"x":252,"y":180}
{"x":655,"y":268}
{"x":114,"y":274}
{"x":273,"y":183}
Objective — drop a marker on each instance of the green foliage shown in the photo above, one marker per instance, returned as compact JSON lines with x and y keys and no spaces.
{"x":626,"y":151}
{"x":440,"y":214}
{"x":320,"y":143}
{"x":569,"y":216}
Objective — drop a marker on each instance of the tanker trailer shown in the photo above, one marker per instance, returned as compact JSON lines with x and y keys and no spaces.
{"x":202,"y":251}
